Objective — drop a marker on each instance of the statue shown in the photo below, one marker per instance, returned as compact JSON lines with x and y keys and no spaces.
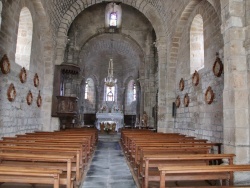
{"x":145,"y":119}
{"x":103,"y":109}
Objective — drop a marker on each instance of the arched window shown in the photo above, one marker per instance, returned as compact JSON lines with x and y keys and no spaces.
{"x":134,"y":92}
{"x":131,"y":92}
{"x":113,"y":15}
{"x":110,"y":93}
{"x":89,"y":90}
{"x":196,"y":44}
{"x":24,"y":38}
{"x":86,"y":90}
{"x":113,"y":19}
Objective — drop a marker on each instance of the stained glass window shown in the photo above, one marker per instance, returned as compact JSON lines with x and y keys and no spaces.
{"x":134,"y":92}
{"x":113,"y":19}
{"x":86,"y":90}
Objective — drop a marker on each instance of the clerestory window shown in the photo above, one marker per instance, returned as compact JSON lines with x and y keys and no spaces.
{"x":196,"y":44}
{"x":24,"y":39}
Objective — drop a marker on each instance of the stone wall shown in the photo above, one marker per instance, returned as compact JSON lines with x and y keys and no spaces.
{"x":200,"y":119}
{"x":17,"y":116}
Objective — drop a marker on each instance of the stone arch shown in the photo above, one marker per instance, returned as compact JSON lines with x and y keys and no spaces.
{"x":146,"y":8}
{"x":179,"y":27}
{"x":128,"y":47}
{"x":133,"y":43}
{"x":183,"y":20}
{"x":216,"y":5}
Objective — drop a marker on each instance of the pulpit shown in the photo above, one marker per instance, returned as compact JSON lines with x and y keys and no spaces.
{"x":67,"y":111}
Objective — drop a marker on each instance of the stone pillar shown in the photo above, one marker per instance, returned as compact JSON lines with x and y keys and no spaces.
{"x":142,"y":98}
{"x":62,"y":41}
{"x":235,"y":94}
{"x":163,"y":108}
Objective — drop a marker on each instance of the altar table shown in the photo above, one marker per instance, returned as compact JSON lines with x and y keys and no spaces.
{"x":117,"y":118}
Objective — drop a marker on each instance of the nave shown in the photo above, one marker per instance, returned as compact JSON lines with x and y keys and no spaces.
{"x":108,"y":168}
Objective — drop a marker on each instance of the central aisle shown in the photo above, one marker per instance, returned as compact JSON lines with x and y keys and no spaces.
{"x":108,"y":168}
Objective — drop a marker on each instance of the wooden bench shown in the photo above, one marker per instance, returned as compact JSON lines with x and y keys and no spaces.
{"x":150,"y":161}
{"x":76,"y":143}
{"x":77,"y":163}
{"x":134,"y":154}
{"x":145,"y":151}
{"x":68,"y":180}
{"x":9,"y":174}
{"x":210,"y":172}
{"x":50,"y":142}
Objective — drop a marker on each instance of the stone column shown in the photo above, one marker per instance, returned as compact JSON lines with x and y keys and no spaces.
{"x":235,"y":94}
{"x":163,"y":108}
{"x":142,"y":99}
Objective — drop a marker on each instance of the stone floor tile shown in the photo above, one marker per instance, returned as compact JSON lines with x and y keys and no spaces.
{"x":108,"y":167}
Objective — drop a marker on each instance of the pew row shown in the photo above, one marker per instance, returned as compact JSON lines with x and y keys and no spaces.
{"x":30,"y":175}
{"x":210,"y":172}
{"x":151,"y":162}
{"x":78,"y":144}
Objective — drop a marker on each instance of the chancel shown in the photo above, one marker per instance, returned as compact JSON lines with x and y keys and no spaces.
{"x":151,"y":72}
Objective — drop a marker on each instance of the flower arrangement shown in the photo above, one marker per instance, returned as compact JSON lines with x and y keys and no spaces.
{"x":108,"y":127}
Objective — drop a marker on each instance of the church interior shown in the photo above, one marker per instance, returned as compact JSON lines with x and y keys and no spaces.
{"x":129,"y":67}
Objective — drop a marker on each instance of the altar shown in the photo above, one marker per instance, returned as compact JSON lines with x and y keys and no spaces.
{"x":116,"y":117}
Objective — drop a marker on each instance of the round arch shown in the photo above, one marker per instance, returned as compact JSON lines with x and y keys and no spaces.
{"x":146,"y":8}
{"x":102,"y":43}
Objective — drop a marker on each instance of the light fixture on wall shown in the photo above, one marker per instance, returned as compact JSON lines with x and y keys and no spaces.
{"x":110,"y":81}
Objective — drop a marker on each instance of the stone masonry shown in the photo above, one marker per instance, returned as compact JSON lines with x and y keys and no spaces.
{"x":152,"y":47}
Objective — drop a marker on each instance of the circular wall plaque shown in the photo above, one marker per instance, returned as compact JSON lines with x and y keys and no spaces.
{"x":186,"y":100}
{"x":23,"y":75}
{"x":181,"y":84}
{"x":36,"y":80}
{"x":39,"y":100}
{"x":29,"y":98}
{"x":209,"y":95}
{"x":177,"y":101}
{"x":195,"y":78}
{"x":11,"y":93}
{"x":5,"y":64}
{"x":217,"y":67}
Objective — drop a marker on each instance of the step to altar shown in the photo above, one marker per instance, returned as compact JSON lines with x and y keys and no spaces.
{"x":109,"y":137}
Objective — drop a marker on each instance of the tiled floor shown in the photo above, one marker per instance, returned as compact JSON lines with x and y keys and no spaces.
{"x":108,"y":168}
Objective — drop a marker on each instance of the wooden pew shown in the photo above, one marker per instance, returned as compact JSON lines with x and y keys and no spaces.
{"x":48,"y":145}
{"x":210,"y":172}
{"x":92,"y":136}
{"x":77,"y":164}
{"x":56,"y":141}
{"x":33,"y":175}
{"x":145,"y":151}
{"x":68,"y":181}
{"x":134,"y":155}
{"x":79,"y":143}
{"x":156,"y":160}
